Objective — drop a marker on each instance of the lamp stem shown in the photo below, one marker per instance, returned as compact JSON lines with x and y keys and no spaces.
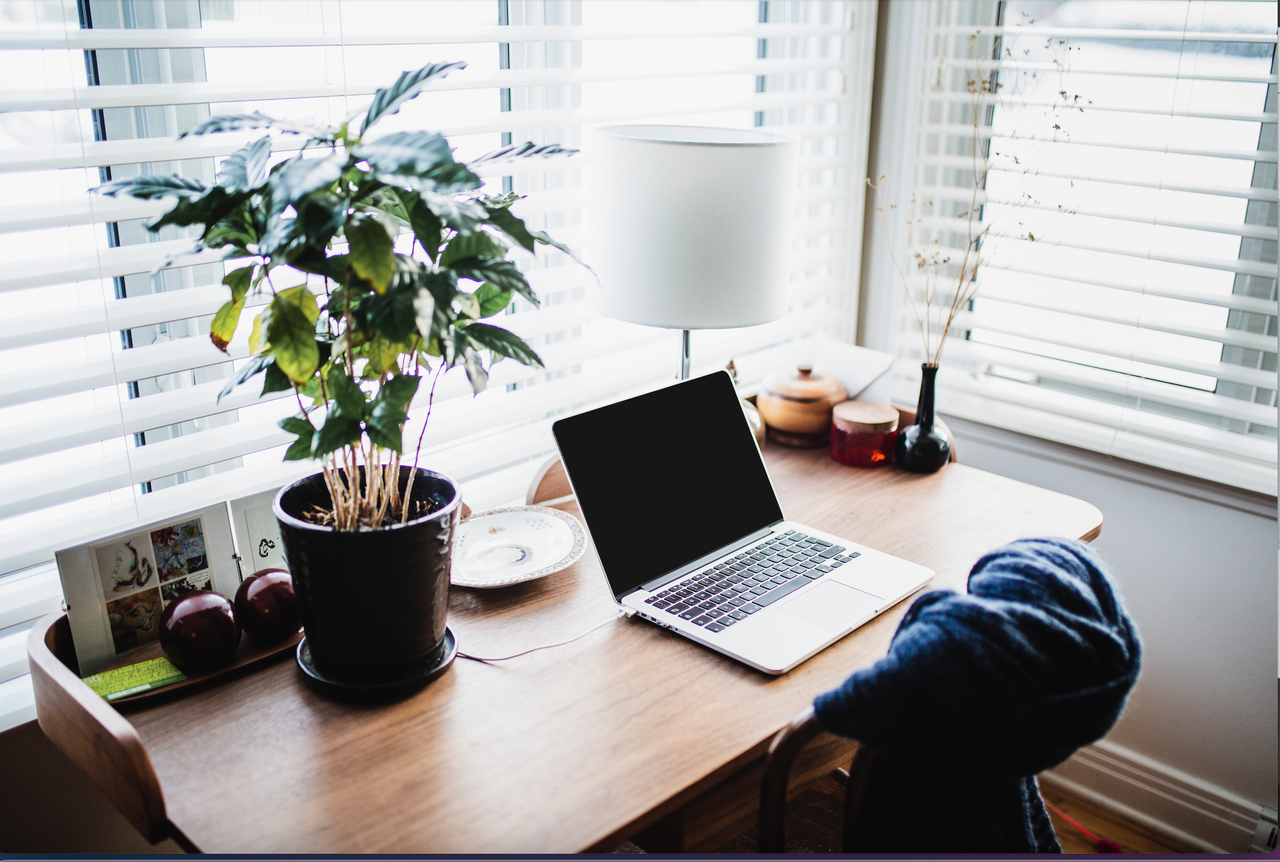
{"x":684,"y":354}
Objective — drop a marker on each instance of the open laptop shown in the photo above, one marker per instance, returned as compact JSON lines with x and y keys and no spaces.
{"x":691,"y":536}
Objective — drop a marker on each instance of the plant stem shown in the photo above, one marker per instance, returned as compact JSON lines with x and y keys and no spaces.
{"x":408,"y":491}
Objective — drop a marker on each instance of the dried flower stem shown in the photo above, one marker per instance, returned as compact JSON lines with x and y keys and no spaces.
{"x":937,"y":313}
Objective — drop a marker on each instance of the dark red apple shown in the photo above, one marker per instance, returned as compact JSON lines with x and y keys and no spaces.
{"x":199,"y":631}
{"x":267,"y":608}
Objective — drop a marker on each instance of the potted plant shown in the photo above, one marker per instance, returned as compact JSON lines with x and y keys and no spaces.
{"x":412,"y":259}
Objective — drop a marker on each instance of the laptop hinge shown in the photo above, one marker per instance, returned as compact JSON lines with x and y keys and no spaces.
{"x":658,"y":583}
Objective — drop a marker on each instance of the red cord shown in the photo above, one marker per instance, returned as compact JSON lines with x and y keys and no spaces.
{"x":1101,"y":844}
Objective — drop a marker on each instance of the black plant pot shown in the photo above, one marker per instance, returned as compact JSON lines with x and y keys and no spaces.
{"x":919,"y":447}
{"x":373,"y":602}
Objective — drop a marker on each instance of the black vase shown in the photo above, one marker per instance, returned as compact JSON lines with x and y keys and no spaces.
{"x":920,"y":448}
{"x":373,"y":602}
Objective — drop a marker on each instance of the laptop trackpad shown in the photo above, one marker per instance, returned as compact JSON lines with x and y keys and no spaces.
{"x":832,"y":606}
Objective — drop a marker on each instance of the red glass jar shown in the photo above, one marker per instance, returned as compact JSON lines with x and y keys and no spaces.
{"x":863,"y":433}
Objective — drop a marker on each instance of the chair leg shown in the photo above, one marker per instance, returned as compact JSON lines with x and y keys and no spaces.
{"x":855,"y":790}
{"x":773,"y":784}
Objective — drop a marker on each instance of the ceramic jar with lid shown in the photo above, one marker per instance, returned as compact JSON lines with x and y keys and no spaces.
{"x":863,"y":433}
{"x":796,"y":406}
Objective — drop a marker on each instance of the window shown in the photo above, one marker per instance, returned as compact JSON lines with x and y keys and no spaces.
{"x":108,"y":395}
{"x":1127,"y":299}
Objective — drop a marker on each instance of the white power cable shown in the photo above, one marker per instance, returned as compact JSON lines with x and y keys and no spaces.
{"x":625,"y":612}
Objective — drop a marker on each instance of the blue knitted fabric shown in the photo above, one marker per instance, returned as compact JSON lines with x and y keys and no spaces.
{"x":980,"y":692}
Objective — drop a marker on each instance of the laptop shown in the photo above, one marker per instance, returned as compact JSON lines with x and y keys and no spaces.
{"x":690,"y":535}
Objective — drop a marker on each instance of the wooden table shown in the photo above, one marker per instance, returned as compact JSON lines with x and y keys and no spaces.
{"x":630,"y":732}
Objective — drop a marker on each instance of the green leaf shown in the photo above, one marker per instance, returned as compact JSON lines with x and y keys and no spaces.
{"x":468,"y":305}
{"x":208,"y":209}
{"x":252,"y":367}
{"x":424,"y":307}
{"x":246,"y":168}
{"x":278,"y":236}
{"x":503,"y":219}
{"x":413,"y":153}
{"x":148,"y":187}
{"x":320,"y":215}
{"x":393,"y":313}
{"x":386,"y":420}
{"x":478,"y":244}
{"x":385,"y":201}
{"x":372,"y":252}
{"x":258,"y":334}
{"x":502,"y":343}
{"x":300,"y":176}
{"x":383,"y":358}
{"x":502,"y":274}
{"x":291,"y":332}
{"x":460,"y":349}
{"x":300,"y":450}
{"x":492,"y":299}
{"x":476,"y":373}
{"x":337,"y":431}
{"x":443,"y":287}
{"x":526,"y":150}
{"x":304,"y":300}
{"x":427,"y":227}
{"x":228,"y":317}
{"x":346,"y":395}
{"x":241,"y":122}
{"x":387,"y":101}
{"x":462,"y":215}
{"x":348,"y":408}
{"x":275,"y":380}
{"x":313,"y":260}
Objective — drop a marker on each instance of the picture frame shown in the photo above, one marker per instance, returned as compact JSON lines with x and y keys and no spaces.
{"x":257,"y":533}
{"x":117,"y":587}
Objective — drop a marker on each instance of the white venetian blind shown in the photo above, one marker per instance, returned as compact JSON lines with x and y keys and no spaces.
{"x":108,"y":384}
{"x":1127,"y":302}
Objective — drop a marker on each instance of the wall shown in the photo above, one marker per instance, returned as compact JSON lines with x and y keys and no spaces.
{"x":1196,"y":563}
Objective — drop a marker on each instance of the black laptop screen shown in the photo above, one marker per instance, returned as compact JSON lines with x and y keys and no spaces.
{"x":666,"y":478}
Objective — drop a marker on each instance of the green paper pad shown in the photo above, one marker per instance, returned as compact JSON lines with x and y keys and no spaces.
{"x":134,"y":679}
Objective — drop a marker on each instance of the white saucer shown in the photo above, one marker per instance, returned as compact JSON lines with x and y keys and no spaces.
{"x":501,"y":547}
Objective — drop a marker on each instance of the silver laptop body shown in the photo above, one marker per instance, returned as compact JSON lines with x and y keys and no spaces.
{"x":660,"y":476}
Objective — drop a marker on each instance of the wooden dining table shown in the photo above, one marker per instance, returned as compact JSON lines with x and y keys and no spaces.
{"x":627,"y":733}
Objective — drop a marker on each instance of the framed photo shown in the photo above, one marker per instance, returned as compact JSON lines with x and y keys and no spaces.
{"x":117,"y":587}
{"x":257,"y":533}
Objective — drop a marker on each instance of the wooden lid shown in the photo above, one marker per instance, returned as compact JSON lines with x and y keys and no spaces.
{"x":864,"y":417}
{"x":803,"y":385}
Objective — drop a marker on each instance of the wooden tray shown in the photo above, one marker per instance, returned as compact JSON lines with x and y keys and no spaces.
{"x":248,"y":653}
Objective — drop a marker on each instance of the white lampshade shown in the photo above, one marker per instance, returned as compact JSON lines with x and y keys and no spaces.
{"x":690,"y":225}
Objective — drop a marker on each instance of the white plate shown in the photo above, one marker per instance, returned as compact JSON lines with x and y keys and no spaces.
{"x":508,"y":546}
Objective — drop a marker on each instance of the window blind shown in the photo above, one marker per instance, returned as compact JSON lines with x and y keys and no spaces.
{"x":108,"y":391}
{"x":1126,"y":199}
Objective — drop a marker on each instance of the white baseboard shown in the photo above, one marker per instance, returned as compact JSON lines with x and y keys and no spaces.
{"x":1163,"y":799}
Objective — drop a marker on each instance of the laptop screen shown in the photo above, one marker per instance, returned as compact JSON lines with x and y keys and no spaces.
{"x":666,"y":478}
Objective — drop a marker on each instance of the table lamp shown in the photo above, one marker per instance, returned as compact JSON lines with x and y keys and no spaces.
{"x":691,"y":226}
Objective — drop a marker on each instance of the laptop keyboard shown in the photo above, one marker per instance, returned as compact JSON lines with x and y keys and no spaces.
{"x":739,"y":586}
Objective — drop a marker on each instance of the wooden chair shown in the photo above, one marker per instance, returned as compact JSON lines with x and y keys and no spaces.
{"x":775,"y":784}
{"x":549,"y":484}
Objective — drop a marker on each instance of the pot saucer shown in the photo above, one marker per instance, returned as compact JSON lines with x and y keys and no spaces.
{"x":427,"y":670}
